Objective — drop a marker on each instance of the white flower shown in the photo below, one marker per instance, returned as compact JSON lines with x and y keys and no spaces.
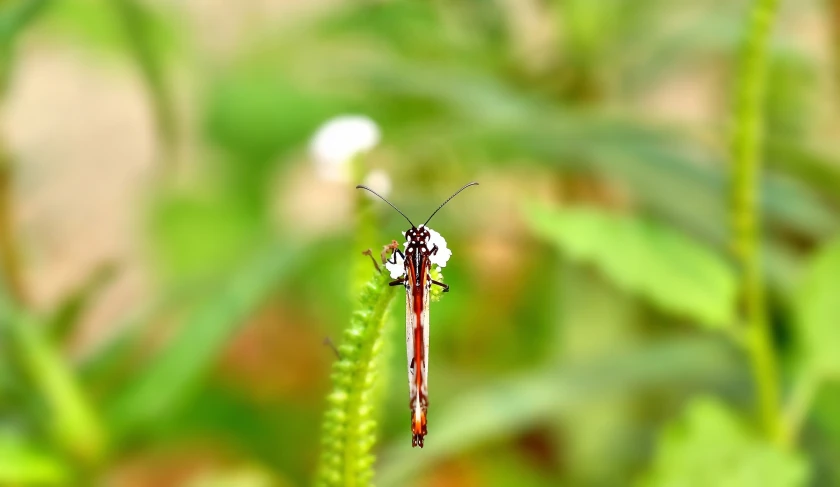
{"x":443,"y":253}
{"x":441,"y":257}
{"x":397,"y":269}
{"x":338,"y":140}
{"x":378,"y":181}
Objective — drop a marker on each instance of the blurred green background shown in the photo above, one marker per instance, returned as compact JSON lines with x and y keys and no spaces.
{"x":173,"y":260}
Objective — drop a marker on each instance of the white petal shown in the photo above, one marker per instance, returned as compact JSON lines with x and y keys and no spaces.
{"x":340,"y":139}
{"x":397,"y":269}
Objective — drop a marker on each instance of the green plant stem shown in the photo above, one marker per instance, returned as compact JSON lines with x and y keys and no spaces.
{"x":349,"y":427}
{"x":10,"y":273}
{"x":796,"y":410}
{"x":14,"y":18}
{"x":746,"y":146}
{"x":366,"y":229}
{"x":135,"y":21}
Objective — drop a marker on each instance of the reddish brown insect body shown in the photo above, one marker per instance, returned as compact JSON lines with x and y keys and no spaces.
{"x":420,"y":252}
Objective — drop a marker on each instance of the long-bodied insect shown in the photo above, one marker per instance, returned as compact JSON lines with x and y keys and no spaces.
{"x":423,"y":248}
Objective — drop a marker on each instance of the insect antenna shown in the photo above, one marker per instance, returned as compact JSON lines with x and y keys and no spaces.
{"x":447,"y":199}
{"x":362,"y":186}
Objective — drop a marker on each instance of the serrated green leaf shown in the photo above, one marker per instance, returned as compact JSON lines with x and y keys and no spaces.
{"x":817,"y":308}
{"x":709,"y":446}
{"x":645,"y":258}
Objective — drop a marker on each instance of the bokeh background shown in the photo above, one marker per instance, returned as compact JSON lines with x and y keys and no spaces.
{"x":173,"y":257}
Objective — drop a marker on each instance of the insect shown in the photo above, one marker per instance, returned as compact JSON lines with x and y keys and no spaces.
{"x":423,"y":248}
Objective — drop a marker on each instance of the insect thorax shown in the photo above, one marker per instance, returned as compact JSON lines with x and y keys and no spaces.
{"x":418,"y":240}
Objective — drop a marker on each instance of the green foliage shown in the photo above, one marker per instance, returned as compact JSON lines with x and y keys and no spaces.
{"x":816,"y":310}
{"x":176,"y":370}
{"x":22,"y":464}
{"x":71,"y":422}
{"x":524,"y":96}
{"x":15,"y":17}
{"x":100,"y":26}
{"x":710,"y":446}
{"x":501,"y":408}
{"x":256,"y":116}
{"x":197,"y":236}
{"x":349,"y":422}
{"x":67,"y":314}
{"x":645,"y":258}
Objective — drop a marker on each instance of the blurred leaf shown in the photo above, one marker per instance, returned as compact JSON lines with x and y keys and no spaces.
{"x":707,"y":30}
{"x":66,"y":315}
{"x":241,"y":477}
{"x":257,"y":430}
{"x":645,"y":258}
{"x":15,"y":16}
{"x":817,"y":308}
{"x":175,"y":371}
{"x":23,"y":464}
{"x":473,"y":30}
{"x":71,"y":420}
{"x":792,"y":95}
{"x":502,"y":408}
{"x":670,"y":172}
{"x":256,"y":116}
{"x":709,"y":446}
{"x":818,"y":169}
{"x":197,"y":236}
{"x":512,"y":469}
{"x":435,"y":103}
{"x":139,"y":27}
{"x":98,"y":25}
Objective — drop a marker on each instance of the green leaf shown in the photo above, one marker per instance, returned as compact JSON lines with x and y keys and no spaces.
{"x":198,"y":236}
{"x":174,"y":372}
{"x":709,"y":446}
{"x":99,"y":26}
{"x":67,"y":314}
{"x":817,"y":308}
{"x":22,"y":464}
{"x":257,"y":116}
{"x":71,"y":421}
{"x":15,"y":17}
{"x":645,"y":258}
{"x":503,"y":407}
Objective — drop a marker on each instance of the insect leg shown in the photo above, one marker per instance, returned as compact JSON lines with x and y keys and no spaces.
{"x":397,"y":282}
{"x":330,"y":344}
{"x":393,"y":258}
{"x":391,"y":246}
{"x":444,"y":286}
{"x":369,"y":253}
